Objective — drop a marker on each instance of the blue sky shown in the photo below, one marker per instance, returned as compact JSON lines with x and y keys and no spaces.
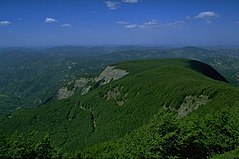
{"x":123,"y":22}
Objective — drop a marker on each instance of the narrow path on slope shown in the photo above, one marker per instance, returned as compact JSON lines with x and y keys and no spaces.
{"x":93,"y":120}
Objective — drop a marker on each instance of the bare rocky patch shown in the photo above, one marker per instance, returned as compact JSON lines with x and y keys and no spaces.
{"x":110,"y":74}
{"x":191,"y":103}
{"x":116,"y":95}
{"x":84,"y":85}
{"x":81,"y":84}
{"x":64,"y":93}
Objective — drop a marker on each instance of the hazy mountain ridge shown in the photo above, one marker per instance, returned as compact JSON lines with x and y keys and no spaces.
{"x":36,"y":75}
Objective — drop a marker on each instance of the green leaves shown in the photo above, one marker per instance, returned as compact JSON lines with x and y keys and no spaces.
{"x":167,"y":137}
{"x":145,"y":126}
{"x":30,"y":147}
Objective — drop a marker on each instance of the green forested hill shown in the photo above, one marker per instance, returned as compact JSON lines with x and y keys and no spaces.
{"x":8,"y":103}
{"x":35,"y":75}
{"x":171,"y":108}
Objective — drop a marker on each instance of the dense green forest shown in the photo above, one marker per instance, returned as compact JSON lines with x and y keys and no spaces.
{"x":119,"y":79}
{"x":35,"y":75}
{"x":9,"y":104}
{"x":170,"y":108}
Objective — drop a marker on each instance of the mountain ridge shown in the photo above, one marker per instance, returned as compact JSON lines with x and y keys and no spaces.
{"x":120,"y":107}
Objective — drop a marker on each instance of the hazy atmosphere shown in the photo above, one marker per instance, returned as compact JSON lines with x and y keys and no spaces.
{"x":117,"y":22}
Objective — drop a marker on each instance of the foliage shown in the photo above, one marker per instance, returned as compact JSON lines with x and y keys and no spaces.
{"x":35,"y":75}
{"x":30,"y":147}
{"x":234,"y":154}
{"x":9,"y":104}
{"x":167,"y":137}
{"x":146,"y":125}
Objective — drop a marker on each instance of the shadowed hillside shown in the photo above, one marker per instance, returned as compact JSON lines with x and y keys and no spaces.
{"x":206,"y":70}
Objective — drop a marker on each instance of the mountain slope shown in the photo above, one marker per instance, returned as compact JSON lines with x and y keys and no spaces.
{"x":38,"y":76}
{"x":9,"y":104}
{"x":35,"y":75}
{"x":151,"y":88}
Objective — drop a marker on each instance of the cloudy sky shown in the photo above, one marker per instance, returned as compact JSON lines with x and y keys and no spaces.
{"x":133,"y":22}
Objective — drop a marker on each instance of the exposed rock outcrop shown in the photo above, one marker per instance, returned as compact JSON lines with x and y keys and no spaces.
{"x":116,"y":95}
{"x":111,"y":73}
{"x":79,"y":85}
{"x":191,"y":103}
{"x":64,"y":93}
{"x":84,"y":85}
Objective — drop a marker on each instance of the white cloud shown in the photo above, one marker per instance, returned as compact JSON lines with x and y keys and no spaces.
{"x":153,"y":24}
{"x":66,"y":25}
{"x":173,"y":25}
{"x":207,"y":15}
{"x":130,"y":1}
{"x":112,"y":5}
{"x":122,"y":23}
{"x":147,"y":25}
{"x":150,"y":24}
{"x":116,"y":4}
{"x":208,"y":21}
{"x":131,"y":26}
{"x":50,"y":20}
{"x":188,"y":18}
{"x":5,"y":23}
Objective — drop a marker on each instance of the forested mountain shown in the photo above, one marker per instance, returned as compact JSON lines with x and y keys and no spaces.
{"x":171,"y":108}
{"x":36,"y":75}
